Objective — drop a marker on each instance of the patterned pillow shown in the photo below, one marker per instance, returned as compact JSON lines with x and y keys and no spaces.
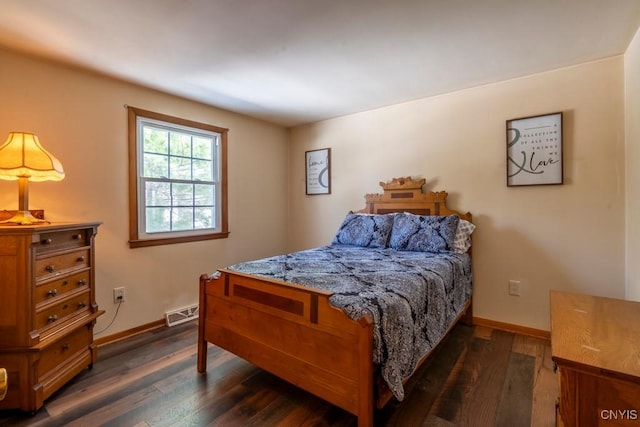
{"x":421,"y":233}
{"x":462,"y":240}
{"x":366,"y":230}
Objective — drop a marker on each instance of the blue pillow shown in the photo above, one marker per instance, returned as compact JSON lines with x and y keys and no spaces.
{"x":422,"y":233}
{"x":366,"y":230}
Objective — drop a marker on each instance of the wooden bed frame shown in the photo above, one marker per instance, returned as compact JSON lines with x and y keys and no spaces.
{"x":293,"y":332}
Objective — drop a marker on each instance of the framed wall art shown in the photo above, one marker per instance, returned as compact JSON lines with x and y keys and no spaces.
{"x":534,"y":150}
{"x":318,"y":171}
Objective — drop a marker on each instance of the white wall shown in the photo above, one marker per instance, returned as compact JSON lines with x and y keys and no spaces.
{"x":632,"y":110}
{"x":80,"y":117}
{"x":568,"y":237}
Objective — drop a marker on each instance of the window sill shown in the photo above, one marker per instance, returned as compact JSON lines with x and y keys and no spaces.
{"x":172,"y":240}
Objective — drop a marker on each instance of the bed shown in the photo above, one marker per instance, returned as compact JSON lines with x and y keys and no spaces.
{"x":298,"y":316}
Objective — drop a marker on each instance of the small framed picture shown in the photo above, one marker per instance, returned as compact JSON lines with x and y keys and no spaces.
{"x":534,"y":150}
{"x":318,"y":171}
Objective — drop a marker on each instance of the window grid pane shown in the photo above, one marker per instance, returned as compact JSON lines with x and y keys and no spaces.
{"x":178,"y":206}
{"x":178,"y":179}
{"x":178,"y":155}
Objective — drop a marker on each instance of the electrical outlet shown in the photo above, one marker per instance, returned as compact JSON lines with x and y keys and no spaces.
{"x":118,"y":295}
{"x":514,"y":288}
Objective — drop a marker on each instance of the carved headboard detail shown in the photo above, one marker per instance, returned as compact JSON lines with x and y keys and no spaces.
{"x":405,"y":195}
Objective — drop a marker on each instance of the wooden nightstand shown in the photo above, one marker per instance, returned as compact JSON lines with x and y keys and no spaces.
{"x":47,"y":308}
{"x":595,"y":343}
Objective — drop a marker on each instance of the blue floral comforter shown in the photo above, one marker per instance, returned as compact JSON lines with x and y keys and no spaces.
{"x":412,"y":297}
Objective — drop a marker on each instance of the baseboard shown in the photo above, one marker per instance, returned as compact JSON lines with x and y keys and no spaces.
{"x":110,"y":339}
{"x":509,"y":327}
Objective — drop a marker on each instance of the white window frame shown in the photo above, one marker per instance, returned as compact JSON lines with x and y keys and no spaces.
{"x":138,"y":235}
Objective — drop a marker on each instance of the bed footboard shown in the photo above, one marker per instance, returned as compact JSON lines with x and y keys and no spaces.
{"x":292,"y":332}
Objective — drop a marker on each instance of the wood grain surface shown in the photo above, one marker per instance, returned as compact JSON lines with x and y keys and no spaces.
{"x":479,"y":376}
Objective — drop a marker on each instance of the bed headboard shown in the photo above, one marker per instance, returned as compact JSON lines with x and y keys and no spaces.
{"x":405,"y":195}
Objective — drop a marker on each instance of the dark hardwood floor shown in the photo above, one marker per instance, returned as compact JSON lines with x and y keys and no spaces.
{"x":478,"y":377}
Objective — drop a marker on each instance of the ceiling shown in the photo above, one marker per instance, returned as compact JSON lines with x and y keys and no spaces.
{"x":297,"y":61}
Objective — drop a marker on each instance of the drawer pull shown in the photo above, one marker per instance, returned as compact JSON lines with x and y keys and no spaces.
{"x":52,"y":292}
{"x":77,"y":236}
{"x":52,"y":318}
{"x":47,"y":241}
{"x":50,"y":268}
{"x":82,"y":282}
{"x":65,"y":347}
{"x":82,"y":304}
{"x":80,"y":258}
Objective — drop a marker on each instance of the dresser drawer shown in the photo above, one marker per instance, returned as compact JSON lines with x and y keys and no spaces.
{"x":47,"y":267}
{"x":57,"y":353}
{"x":59,"y":287}
{"x":65,"y":239}
{"x":57,"y":312}
{"x":47,"y":308}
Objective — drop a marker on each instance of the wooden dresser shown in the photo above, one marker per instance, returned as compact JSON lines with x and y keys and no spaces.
{"x":47,"y":308}
{"x":595,"y":343}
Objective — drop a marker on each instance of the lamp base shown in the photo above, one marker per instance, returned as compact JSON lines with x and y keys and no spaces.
{"x":23,"y":218}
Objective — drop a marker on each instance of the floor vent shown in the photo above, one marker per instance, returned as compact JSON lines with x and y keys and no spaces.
{"x":181,"y":315}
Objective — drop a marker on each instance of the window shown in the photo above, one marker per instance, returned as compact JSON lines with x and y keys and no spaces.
{"x":177,"y":180}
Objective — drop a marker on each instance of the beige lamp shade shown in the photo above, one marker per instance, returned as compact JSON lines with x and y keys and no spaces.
{"x":22,"y":158}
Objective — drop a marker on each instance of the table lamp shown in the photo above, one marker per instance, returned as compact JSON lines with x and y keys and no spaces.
{"x":22,"y":158}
